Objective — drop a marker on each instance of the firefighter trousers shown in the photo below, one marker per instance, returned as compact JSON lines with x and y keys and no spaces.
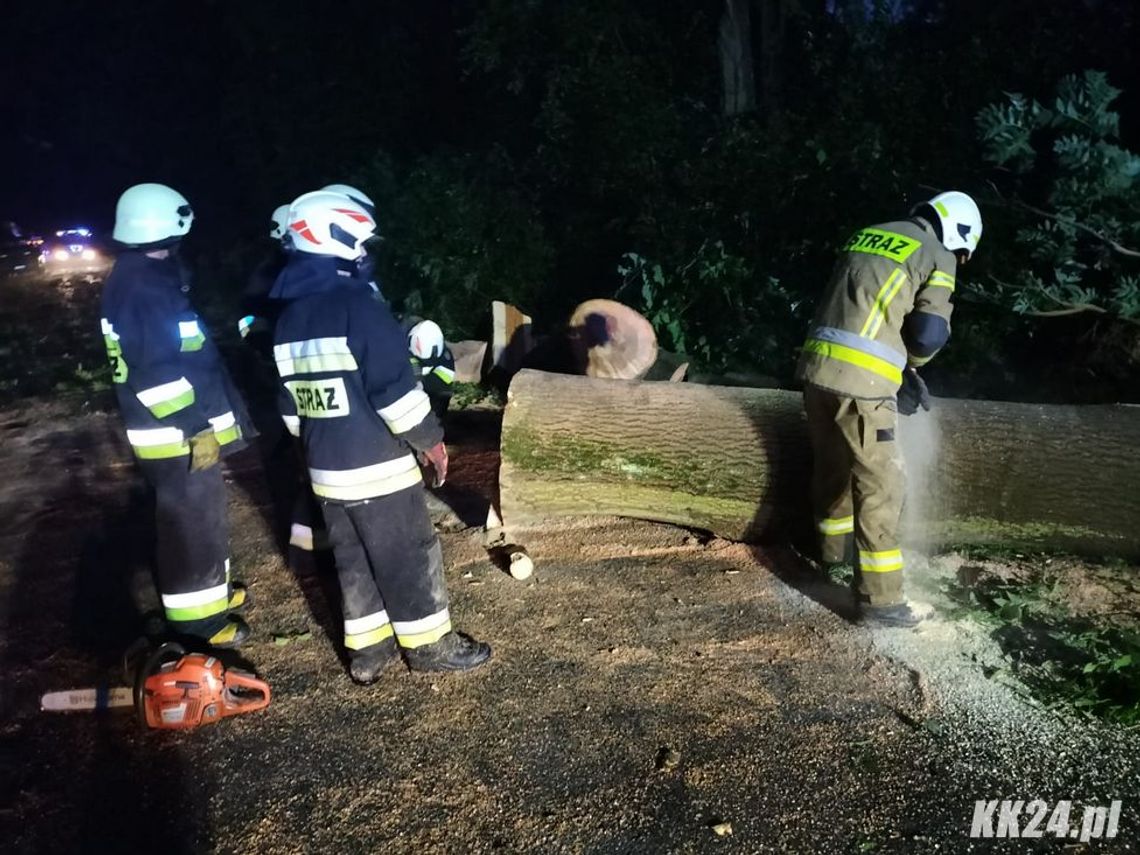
{"x":390,"y":566}
{"x":858,"y":487}
{"x":192,"y":544}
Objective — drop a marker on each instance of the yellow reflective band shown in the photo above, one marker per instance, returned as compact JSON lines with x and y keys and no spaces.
{"x":205,"y":610}
{"x":366,"y":482}
{"x":313,"y":355}
{"x":939,"y":279}
{"x":444,"y":373}
{"x":407,"y":411}
{"x":228,"y":435}
{"x":883,"y":299}
{"x":224,"y":635}
{"x":317,"y":364}
{"x":918,"y":361}
{"x":419,"y":639}
{"x":191,"y":335}
{"x":837,"y":525}
{"x":881,"y":562}
{"x":426,"y":630}
{"x":360,"y":640}
{"x":830,"y":350}
{"x":940,"y":208}
{"x":161,"y":452}
{"x":883,"y":243}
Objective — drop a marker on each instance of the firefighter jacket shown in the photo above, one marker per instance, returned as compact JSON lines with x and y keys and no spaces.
{"x":347,"y":388}
{"x":886,"y":307}
{"x":168,"y":375}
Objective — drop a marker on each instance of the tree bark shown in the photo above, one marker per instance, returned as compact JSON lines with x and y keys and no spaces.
{"x":737,"y":462}
{"x":734,"y":45}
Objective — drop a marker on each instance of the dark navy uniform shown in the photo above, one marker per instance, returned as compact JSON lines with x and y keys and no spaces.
{"x":171,"y":384}
{"x":349,"y":393}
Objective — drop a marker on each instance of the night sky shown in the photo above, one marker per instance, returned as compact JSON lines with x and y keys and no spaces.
{"x":102,"y":95}
{"x":242,"y":106}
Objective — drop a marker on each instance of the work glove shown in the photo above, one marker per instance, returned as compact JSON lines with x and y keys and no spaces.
{"x":913,"y":393}
{"x":204,"y":450}
{"x":434,"y":462}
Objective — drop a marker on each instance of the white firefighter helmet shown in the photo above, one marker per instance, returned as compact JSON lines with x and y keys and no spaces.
{"x":358,"y":196}
{"x":960,"y":219}
{"x":324,"y":223}
{"x":151,"y":213}
{"x":425,"y":340}
{"x":279,"y":222}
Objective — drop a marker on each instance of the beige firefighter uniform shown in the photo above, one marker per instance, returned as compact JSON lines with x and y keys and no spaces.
{"x":852,"y":365}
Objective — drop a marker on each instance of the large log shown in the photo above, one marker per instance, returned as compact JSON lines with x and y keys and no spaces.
{"x":736,"y":461}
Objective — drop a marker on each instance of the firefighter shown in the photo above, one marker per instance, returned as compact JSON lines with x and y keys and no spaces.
{"x":180,"y":410}
{"x":885,"y":313}
{"x":365,"y":266}
{"x":256,"y":326}
{"x":432,"y":363}
{"x":348,"y":391}
{"x":285,"y":473}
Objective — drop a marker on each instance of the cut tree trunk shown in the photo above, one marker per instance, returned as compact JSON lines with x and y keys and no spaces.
{"x":737,"y":462}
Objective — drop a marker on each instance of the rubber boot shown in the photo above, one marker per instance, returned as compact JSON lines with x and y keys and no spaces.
{"x":235,"y":633}
{"x":900,"y":615}
{"x":240,"y":598}
{"x":454,"y":652}
{"x":365,"y":666}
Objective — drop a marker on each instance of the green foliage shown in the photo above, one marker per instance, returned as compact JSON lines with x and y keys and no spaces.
{"x":50,"y":343}
{"x":1067,"y":661}
{"x":1077,"y":249}
{"x":458,"y":233}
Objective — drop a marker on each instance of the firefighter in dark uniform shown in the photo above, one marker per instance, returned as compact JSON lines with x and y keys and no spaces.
{"x":885,"y":312}
{"x":180,"y":410}
{"x":432,"y":363}
{"x":347,"y":390}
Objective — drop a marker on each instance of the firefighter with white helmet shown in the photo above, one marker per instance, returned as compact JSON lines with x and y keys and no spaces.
{"x":366,"y":264}
{"x":181,"y":412}
{"x":885,"y":313}
{"x":432,"y":362}
{"x":366,"y":426}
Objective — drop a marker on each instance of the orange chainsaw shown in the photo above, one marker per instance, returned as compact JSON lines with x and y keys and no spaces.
{"x":173,"y":690}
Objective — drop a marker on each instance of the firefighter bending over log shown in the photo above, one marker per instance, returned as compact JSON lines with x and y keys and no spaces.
{"x":885,"y":313}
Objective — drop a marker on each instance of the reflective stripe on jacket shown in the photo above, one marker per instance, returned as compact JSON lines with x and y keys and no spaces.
{"x":347,"y":387}
{"x":168,"y":376}
{"x":858,"y":345}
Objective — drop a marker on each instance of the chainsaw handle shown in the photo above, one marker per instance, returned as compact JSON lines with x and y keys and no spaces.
{"x":234,"y":704}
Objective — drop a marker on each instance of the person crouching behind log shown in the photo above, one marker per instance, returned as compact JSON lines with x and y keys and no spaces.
{"x":433,"y":363}
{"x":347,"y":390}
{"x":885,"y":312}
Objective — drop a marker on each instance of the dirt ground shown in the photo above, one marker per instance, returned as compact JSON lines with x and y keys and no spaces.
{"x":647,"y":686}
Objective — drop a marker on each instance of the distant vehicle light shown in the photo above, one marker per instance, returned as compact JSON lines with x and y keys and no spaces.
{"x":90,"y":255}
{"x":61,"y":255}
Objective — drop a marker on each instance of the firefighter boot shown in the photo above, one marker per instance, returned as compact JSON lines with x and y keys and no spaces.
{"x":366,"y":665}
{"x":454,"y":652}
{"x":234,"y":634}
{"x":240,"y":598}
{"x":899,"y":615}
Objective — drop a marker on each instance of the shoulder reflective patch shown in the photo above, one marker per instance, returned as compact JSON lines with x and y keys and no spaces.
{"x":890,"y":245}
{"x":320,"y":399}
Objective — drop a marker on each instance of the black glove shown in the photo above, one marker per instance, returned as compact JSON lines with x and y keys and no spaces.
{"x":913,"y":393}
